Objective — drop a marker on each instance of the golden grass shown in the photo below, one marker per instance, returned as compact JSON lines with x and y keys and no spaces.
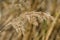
{"x":30,"y":20}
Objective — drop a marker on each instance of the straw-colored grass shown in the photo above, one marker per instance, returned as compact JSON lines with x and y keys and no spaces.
{"x":30,"y":20}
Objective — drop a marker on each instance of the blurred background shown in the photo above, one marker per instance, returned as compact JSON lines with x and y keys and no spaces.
{"x":14,"y":9}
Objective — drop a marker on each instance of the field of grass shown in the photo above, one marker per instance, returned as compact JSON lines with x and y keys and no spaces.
{"x":29,"y":19}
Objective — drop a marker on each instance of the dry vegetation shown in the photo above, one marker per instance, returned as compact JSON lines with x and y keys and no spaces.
{"x":29,"y":19}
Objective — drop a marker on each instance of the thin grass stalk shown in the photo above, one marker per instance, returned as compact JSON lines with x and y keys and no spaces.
{"x":52,"y":26}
